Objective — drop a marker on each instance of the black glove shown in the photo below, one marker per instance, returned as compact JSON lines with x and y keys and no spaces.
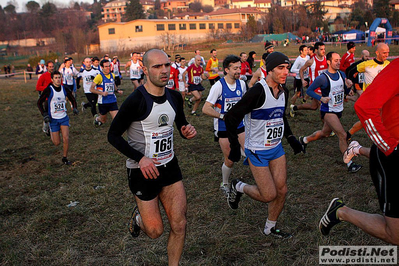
{"x":46,"y":118}
{"x":75,"y":111}
{"x":78,"y":86}
{"x":295,"y":144}
{"x":235,"y":153}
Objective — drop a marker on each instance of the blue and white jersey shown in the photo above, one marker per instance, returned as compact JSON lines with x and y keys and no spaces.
{"x":68,"y":75}
{"x":224,"y":96}
{"x":57,"y":103}
{"x":336,"y":92}
{"x":264,"y":126}
{"x":107,"y":84}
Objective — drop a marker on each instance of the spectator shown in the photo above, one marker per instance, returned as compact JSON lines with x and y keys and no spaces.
{"x":29,"y":69}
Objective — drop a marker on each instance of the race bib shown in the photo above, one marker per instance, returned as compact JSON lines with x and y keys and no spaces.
{"x":69,"y":78}
{"x":135,"y":73}
{"x":321,"y":71}
{"x":273,"y":132}
{"x":197,"y":80}
{"x":306,"y":72}
{"x":116,"y":71}
{"x":170,"y":84}
{"x":360,"y":77}
{"x":229,"y":103}
{"x":109,"y":87}
{"x":59,"y":107}
{"x":337,"y":98}
{"x":161,"y":148}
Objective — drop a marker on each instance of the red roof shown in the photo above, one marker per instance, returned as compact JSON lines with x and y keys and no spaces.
{"x":262,"y":1}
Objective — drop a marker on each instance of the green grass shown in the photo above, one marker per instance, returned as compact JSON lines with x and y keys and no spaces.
{"x":37,"y":227}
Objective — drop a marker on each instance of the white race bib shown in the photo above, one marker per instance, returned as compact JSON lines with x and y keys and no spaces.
{"x":59,"y":107}
{"x":273,"y":132}
{"x":197,"y":80}
{"x":229,"y":103}
{"x":161,"y":145}
{"x":360,"y":77}
{"x":337,"y":98}
{"x":109,"y":87}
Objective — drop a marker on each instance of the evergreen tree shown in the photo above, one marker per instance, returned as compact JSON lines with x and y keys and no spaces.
{"x":134,"y":10}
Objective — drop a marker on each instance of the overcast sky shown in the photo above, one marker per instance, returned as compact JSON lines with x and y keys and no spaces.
{"x":21,"y":3}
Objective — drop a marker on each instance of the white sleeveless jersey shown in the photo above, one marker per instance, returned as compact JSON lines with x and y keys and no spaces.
{"x":68,"y":75}
{"x":57,"y":103}
{"x":88,"y":77}
{"x":336,"y":103}
{"x":264,"y":127}
{"x":135,"y":70}
{"x":153,"y":136}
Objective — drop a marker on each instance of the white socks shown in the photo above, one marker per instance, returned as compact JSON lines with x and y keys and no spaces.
{"x":305,"y":140}
{"x":226,"y":172}
{"x":268,"y":226}
{"x":240,"y":186}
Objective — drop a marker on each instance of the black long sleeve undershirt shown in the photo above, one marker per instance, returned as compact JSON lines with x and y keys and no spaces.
{"x":46,"y":93}
{"x":134,"y":109}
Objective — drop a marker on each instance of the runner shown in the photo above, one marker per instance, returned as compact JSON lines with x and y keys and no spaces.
{"x":88,"y":74}
{"x":356,"y":77}
{"x":195,"y":74}
{"x":40,"y":68}
{"x":379,"y":114}
{"x":246,"y":72}
{"x":173,"y":83}
{"x":96,"y":63}
{"x":212,"y":67}
{"x":348,"y":58}
{"x":269,"y":48}
{"x":69,"y":73}
{"x":104,"y":86}
{"x":265,"y":124}
{"x":333,"y":85}
{"x":135,"y":67}
{"x":222,"y":97}
{"x":192,"y":60}
{"x":176,"y":63}
{"x":43,"y":82}
{"x":147,"y":116}
{"x":260,"y":73}
{"x":182,"y":84}
{"x":56,"y":113}
{"x":299,"y":62}
{"x":116,"y":70}
{"x":317,"y":65}
{"x":371,"y":68}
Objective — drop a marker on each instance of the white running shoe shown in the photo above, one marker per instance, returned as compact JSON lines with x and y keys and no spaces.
{"x":83,"y":107}
{"x":225,"y":188}
{"x":292,"y":112}
{"x":349,"y":153}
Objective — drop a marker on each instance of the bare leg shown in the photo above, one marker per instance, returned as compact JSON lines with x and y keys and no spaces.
{"x":65,"y":140}
{"x":197,"y":97}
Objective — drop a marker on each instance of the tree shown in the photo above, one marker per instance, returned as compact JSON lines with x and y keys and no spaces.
{"x":10,"y":9}
{"x":316,"y":13}
{"x":134,"y":10}
{"x":157,"y":5}
{"x":32,"y":7}
{"x":207,"y":8}
{"x":76,"y":6}
{"x":382,"y":8}
{"x":195,"y":6}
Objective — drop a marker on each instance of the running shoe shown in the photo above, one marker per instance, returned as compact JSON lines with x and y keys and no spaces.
{"x":330,"y":218}
{"x":303,"y":144}
{"x":225,"y":188}
{"x":66,"y":161}
{"x":189,"y":104}
{"x":353,"y":168}
{"x":292,"y":112}
{"x":134,"y":228}
{"x":195,"y":114}
{"x":83,"y":107}
{"x":332,"y":134}
{"x":349,"y":153}
{"x":303,"y":101}
{"x":234,"y":196}
{"x":277,"y":233}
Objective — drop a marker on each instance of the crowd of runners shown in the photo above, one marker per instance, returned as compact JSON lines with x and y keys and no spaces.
{"x":248,"y":107}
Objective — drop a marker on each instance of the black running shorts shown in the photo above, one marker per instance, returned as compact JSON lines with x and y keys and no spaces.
{"x":383,"y":170}
{"x":148,"y":189}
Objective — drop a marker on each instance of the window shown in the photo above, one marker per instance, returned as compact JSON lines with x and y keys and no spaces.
{"x":220,"y":25}
{"x":171,"y":26}
{"x":111,"y":31}
{"x":182,"y":27}
{"x":211,"y":26}
{"x":236,"y":25}
{"x":139,"y":28}
{"x":193,"y":26}
{"x":228,"y":26}
{"x":160,"y":27}
{"x":202,"y":26}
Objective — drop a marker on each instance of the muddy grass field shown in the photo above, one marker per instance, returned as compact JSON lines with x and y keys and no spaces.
{"x":38,"y":228}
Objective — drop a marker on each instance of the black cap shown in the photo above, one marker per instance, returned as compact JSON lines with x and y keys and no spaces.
{"x":268,"y":45}
{"x":275,"y":59}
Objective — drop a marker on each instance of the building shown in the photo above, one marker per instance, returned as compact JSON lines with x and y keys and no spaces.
{"x":394,"y":4}
{"x":168,"y":33}
{"x":114,"y":11}
{"x":175,"y":5}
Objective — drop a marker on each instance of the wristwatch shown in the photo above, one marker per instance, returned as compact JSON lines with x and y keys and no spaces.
{"x":221,"y":116}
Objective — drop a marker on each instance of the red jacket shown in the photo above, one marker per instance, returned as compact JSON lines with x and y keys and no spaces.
{"x":378,"y":109}
{"x":245,"y":69}
{"x":43,"y":82}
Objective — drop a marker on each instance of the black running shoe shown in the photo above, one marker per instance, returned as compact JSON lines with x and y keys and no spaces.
{"x":189,"y":104}
{"x":353,"y":168}
{"x":277,"y":233}
{"x":234,"y":197}
{"x":330,"y":218}
{"x":134,"y":228}
{"x":303,"y":144}
{"x":65,"y":161}
{"x":348,"y":136}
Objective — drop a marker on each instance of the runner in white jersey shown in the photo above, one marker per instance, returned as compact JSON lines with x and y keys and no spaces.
{"x":265,"y":124}
{"x":56,"y":113}
{"x":115,"y":69}
{"x":299,"y":62}
{"x":87,"y":75}
{"x":260,"y":73}
{"x":69,"y":73}
{"x":147,"y":116}
{"x":135,"y":69}
{"x":334,"y":85}
{"x":182,"y":85}
{"x":223,"y":95}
